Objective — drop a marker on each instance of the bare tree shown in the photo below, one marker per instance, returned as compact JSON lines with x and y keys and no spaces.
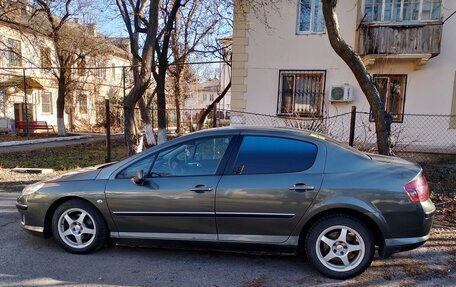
{"x":261,"y":10}
{"x":141,"y":21}
{"x":72,"y":44}
{"x":194,"y":27}
{"x":205,"y":112}
{"x":365,"y":81}
{"x":223,"y":53}
{"x":47,"y":27}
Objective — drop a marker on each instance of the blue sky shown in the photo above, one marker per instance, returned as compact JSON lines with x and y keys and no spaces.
{"x":106,"y":17}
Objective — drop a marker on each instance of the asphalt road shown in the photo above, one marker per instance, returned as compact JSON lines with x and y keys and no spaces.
{"x":26,"y":260}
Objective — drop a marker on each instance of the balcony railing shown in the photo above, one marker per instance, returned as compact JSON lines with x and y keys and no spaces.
{"x":414,"y":41}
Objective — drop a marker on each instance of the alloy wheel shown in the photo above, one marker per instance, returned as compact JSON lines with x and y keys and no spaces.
{"x":76,"y":228}
{"x":340,"y":248}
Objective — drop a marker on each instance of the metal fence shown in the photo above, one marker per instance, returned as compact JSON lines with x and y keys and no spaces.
{"x":419,"y":137}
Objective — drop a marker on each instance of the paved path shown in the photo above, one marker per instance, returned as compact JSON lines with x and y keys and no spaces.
{"x":26,"y":260}
{"x":39,"y":146}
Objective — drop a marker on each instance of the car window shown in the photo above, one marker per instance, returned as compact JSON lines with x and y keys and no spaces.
{"x":197,"y":157}
{"x":260,"y":155}
{"x":143,"y":164}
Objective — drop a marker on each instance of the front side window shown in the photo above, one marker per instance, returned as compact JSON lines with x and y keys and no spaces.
{"x":301,"y":93}
{"x":262,"y":155}
{"x":46,"y":103}
{"x":82,"y":104}
{"x":143,"y":164}
{"x":392,"y":94}
{"x":14,"y":53}
{"x":310,"y":17}
{"x":193,"y":158}
{"x":401,"y":10}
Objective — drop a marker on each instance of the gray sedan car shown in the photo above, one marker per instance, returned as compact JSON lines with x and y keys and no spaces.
{"x":270,"y":189}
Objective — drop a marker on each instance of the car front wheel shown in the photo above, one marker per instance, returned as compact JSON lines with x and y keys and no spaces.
{"x":340,"y":246}
{"x":78,"y":227}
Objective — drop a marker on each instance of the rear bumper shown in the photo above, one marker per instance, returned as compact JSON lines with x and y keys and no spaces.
{"x":393,"y":245}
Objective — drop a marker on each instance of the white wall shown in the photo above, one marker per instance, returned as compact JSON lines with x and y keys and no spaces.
{"x":429,"y":90}
{"x":30,"y":49}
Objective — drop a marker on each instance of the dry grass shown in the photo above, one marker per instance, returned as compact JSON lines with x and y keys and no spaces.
{"x":64,"y":158}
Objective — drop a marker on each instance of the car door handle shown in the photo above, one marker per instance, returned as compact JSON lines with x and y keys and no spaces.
{"x":201,"y":188}
{"x":301,"y":187}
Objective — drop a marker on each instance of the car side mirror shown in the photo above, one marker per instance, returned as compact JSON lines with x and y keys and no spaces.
{"x":138,"y":179}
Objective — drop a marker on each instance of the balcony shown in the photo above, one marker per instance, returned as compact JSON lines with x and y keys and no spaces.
{"x":413,"y":41}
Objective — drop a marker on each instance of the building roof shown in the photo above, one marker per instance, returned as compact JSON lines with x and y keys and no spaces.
{"x":212,"y":85}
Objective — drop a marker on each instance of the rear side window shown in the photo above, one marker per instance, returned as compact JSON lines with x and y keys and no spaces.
{"x":260,"y":155}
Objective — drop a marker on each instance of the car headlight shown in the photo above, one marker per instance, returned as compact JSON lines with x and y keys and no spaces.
{"x":29,"y":189}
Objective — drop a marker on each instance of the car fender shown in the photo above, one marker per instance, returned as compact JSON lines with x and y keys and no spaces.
{"x":325,"y":205}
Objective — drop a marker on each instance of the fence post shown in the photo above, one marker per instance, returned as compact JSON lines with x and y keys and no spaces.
{"x":108,"y":131}
{"x":352,"y":126}
{"x":214,"y":121}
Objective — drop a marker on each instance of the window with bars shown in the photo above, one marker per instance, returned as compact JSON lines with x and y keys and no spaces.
{"x":401,"y":10}
{"x":310,"y":17}
{"x":14,"y":52}
{"x":46,"y":103}
{"x":392,"y":94}
{"x":301,"y":93}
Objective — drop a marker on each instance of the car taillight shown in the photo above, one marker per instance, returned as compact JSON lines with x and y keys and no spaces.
{"x":418,"y":189}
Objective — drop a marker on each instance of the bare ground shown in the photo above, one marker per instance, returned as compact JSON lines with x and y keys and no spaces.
{"x":433,"y":264}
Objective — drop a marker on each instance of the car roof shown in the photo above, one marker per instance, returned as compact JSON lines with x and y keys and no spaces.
{"x":263,"y":129}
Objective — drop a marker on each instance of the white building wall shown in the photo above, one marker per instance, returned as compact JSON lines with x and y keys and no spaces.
{"x":269,"y":50}
{"x":93,"y":86}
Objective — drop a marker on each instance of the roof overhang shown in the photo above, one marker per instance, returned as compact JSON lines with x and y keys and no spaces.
{"x":18,"y":82}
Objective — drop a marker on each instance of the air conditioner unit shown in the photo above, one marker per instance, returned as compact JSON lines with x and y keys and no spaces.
{"x":341,"y":93}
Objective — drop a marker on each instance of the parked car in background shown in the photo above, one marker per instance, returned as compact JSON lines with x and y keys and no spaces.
{"x":261,"y":188}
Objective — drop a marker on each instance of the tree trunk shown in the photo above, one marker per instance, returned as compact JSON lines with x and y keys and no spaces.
{"x":358,"y":68}
{"x":161,"y":106}
{"x":209,"y":108}
{"x":61,"y":105}
{"x":146,"y":118}
{"x":134,"y":140}
{"x":177,"y":97}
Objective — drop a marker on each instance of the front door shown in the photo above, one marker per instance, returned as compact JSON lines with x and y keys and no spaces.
{"x":268,"y":188}
{"x":177,"y":198}
{"x":22,"y":112}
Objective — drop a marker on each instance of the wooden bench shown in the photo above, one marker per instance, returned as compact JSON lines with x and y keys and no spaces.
{"x":33,"y":125}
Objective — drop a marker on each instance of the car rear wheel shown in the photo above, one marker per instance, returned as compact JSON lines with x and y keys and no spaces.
{"x":78,"y":227}
{"x":340,"y":246}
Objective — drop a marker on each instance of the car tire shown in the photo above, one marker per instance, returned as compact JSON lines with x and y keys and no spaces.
{"x":340,"y":246}
{"x":79,"y":227}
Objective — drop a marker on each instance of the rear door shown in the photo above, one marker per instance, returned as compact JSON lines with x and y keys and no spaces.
{"x":268,"y":186}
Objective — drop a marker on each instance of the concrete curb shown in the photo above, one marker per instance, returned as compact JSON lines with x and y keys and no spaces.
{"x":38,"y":141}
{"x":32,"y":170}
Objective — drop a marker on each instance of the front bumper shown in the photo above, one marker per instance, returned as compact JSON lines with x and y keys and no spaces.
{"x":23,"y":211}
